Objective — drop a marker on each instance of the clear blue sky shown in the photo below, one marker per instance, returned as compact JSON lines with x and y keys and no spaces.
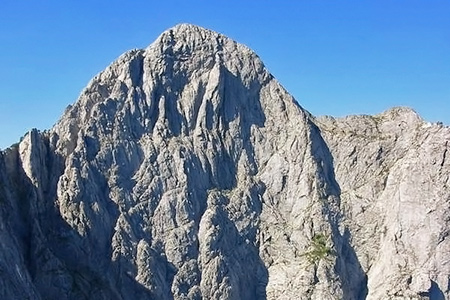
{"x":335,"y":57}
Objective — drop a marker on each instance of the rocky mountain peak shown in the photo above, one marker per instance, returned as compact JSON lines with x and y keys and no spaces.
{"x":189,"y":36}
{"x":185,"y":39}
{"x":186,"y":171}
{"x":183,"y":73}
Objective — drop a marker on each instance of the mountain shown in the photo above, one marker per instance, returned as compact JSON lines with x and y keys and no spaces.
{"x":186,"y":171}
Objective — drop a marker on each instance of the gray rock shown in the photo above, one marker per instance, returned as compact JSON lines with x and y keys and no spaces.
{"x":393,"y":171}
{"x":186,"y":171}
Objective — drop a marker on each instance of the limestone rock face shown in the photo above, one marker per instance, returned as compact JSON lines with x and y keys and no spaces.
{"x":393,"y":172}
{"x":186,"y":171}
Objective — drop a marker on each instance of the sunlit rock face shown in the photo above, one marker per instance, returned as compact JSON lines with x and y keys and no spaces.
{"x":186,"y":171}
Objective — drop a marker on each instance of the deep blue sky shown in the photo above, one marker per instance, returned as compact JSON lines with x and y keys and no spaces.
{"x":335,"y":57}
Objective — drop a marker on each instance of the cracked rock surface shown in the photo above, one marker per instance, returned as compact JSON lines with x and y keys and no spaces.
{"x":186,"y":171}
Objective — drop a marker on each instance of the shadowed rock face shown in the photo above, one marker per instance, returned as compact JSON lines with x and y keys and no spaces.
{"x":186,"y":171}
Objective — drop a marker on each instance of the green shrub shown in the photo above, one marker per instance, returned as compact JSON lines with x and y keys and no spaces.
{"x":318,"y":249}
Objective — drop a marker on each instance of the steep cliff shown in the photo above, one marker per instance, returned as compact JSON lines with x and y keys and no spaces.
{"x":186,"y":171}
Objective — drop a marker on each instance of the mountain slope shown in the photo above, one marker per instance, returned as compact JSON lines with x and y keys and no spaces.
{"x":186,"y":171}
{"x":393,"y":171}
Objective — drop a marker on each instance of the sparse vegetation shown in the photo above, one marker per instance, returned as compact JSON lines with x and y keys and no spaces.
{"x":318,"y":249}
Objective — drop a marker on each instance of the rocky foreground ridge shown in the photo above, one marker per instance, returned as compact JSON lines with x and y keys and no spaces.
{"x":186,"y":171}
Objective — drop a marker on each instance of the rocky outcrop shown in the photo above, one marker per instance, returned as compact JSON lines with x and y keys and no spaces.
{"x":393,"y":171}
{"x":186,"y":171}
